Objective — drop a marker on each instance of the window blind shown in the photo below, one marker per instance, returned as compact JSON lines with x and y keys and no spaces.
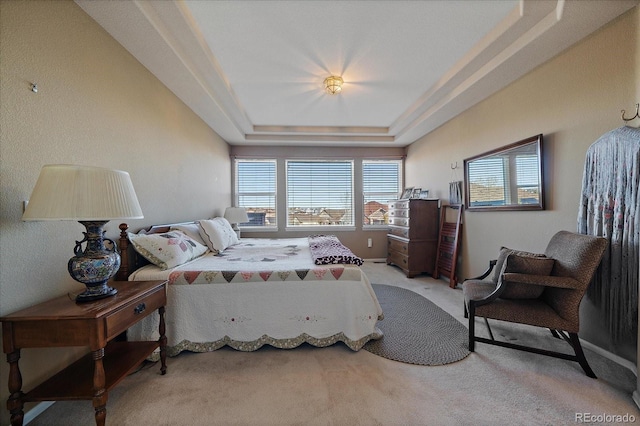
{"x":487,"y":182}
{"x":319,"y":193}
{"x":381,"y":184}
{"x":256,"y":191}
{"x":527,"y":179}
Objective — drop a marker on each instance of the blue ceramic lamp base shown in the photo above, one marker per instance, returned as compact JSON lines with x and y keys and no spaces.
{"x":96,"y":264}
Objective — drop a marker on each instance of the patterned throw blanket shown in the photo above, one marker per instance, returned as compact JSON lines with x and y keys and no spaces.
{"x":327,"y":250}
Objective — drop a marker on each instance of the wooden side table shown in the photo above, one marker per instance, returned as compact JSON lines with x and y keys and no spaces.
{"x":62,"y":322}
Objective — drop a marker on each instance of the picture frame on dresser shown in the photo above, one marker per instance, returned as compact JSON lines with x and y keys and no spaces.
{"x":416,"y":192}
{"x":406,"y":194}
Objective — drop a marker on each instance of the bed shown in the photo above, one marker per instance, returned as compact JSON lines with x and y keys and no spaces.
{"x":250,"y":292}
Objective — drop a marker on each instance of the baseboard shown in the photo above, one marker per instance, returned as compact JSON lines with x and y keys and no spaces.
{"x":36,"y":411}
{"x":610,"y":356}
{"x":381,"y":260}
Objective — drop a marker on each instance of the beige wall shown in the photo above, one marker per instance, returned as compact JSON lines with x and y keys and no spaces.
{"x":573,"y":99}
{"x":96,"y":105}
{"x":355,"y":240}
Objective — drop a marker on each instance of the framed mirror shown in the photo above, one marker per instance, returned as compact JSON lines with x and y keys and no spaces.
{"x":507,"y":178}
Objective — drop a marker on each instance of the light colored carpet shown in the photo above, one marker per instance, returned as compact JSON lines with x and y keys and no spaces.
{"x":336,"y":386}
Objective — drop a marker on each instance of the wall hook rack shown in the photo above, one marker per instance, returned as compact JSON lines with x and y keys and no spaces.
{"x":633,"y":117}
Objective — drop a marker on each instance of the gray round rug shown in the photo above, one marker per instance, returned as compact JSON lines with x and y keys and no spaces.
{"x":416,"y":330}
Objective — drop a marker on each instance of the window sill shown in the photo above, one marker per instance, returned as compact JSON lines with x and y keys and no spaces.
{"x":320,"y":229}
{"x":375,"y":228}
{"x":259,"y":229}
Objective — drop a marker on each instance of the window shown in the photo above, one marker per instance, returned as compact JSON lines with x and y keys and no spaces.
{"x":256,"y":191}
{"x":507,"y":178}
{"x":381,"y":183}
{"x":319,"y":193}
{"x":487,"y":182}
{"x":527,"y":179}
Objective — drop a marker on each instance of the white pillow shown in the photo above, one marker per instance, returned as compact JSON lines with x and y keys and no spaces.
{"x":217,"y":233}
{"x":167,"y":250}
{"x":191,"y":229}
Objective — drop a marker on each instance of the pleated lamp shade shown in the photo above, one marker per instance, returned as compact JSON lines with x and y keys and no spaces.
{"x":82,"y":193}
{"x":236,"y":215}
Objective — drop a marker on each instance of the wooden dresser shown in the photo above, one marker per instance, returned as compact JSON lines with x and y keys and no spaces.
{"x":413,"y":235}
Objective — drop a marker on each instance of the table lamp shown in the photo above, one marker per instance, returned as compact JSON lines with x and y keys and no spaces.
{"x":236,"y":215}
{"x":92,"y":196}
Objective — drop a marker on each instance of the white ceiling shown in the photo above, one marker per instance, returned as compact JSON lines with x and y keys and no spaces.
{"x":253,"y":70}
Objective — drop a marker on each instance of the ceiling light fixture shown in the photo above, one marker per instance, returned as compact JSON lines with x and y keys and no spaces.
{"x":333,"y":85}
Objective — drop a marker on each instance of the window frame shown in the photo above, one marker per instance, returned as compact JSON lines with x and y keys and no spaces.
{"x":395,"y":197}
{"x":321,"y":227}
{"x":474,"y":167}
{"x":237,"y":194}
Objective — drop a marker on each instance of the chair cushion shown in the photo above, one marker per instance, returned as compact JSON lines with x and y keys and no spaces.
{"x":502,"y":256}
{"x":525,"y":264}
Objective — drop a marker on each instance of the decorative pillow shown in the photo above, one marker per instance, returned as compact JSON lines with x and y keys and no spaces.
{"x":504,"y":252}
{"x":532,"y":265}
{"x":218,"y":234}
{"x":191,"y":229}
{"x":167,"y":250}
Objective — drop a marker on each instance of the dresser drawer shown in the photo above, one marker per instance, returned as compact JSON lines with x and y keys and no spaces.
{"x":400,"y":204}
{"x":137,"y":309}
{"x":398,"y":259}
{"x":399,"y":231}
{"x":399,"y":221}
{"x":399,"y":213}
{"x":399,"y":246}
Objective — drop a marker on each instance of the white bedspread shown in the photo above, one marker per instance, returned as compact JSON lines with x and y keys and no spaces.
{"x":262,"y":291}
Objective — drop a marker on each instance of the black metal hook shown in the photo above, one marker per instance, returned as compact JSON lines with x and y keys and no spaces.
{"x":633,"y":117}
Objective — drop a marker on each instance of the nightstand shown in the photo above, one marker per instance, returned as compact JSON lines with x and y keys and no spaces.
{"x":62,"y":322}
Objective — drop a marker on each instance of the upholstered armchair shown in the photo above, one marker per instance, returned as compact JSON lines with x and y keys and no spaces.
{"x":538,"y":290}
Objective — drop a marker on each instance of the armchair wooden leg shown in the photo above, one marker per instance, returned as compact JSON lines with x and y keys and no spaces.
{"x":582,"y":360}
{"x":472,"y":320}
{"x":486,"y":321}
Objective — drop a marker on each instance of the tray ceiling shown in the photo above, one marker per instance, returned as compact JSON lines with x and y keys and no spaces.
{"x":254,"y":70}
